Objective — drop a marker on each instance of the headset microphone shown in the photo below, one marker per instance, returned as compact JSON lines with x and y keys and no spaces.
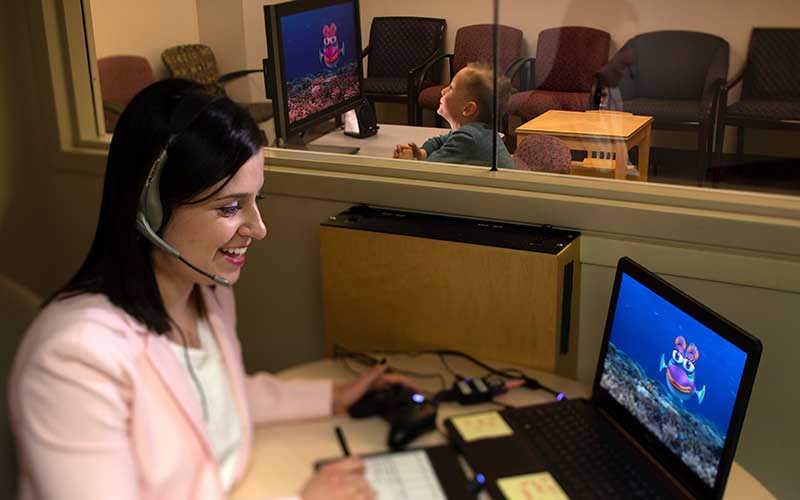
{"x":146,"y":231}
{"x":150,"y":215}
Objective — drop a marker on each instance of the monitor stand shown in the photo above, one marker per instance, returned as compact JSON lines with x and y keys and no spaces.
{"x":305,"y":142}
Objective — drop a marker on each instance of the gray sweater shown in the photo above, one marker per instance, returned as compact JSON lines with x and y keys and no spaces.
{"x":469,"y":145}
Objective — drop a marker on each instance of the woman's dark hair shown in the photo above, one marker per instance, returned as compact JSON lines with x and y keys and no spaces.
{"x":209,"y":147}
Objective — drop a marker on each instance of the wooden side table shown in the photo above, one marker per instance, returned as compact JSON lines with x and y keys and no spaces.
{"x":606,"y":136}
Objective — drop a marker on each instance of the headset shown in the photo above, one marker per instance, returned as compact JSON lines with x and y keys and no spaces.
{"x":150,"y":214}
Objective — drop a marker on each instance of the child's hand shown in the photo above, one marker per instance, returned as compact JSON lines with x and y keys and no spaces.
{"x":419,"y":153}
{"x":404,"y":152}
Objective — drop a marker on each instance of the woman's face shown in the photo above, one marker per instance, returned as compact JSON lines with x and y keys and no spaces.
{"x":214,"y":235}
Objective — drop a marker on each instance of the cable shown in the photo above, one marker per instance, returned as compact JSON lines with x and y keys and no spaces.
{"x":509,"y":373}
{"x":530,"y":383}
{"x":458,"y":376}
{"x":192,"y":374}
{"x":340,"y":351}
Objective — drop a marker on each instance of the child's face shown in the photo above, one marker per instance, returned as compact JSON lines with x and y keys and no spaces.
{"x":455,"y":105}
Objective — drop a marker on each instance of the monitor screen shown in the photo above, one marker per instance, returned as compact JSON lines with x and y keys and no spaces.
{"x":675,"y":376}
{"x":321,"y":54}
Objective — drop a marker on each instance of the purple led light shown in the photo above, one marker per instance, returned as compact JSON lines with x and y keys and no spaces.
{"x":560,"y":396}
{"x":418,"y":398}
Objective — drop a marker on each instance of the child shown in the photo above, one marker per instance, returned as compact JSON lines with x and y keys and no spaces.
{"x":466,"y":104}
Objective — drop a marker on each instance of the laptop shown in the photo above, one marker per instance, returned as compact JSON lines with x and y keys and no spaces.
{"x":669,"y":397}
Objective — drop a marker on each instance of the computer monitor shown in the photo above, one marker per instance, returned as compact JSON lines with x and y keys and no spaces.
{"x":313,"y":71}
{"x":677,"y":375}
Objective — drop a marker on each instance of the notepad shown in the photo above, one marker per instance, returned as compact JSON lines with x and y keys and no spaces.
{"x":481,"y":426}
{"x":538,"y":486}
{"x":403,"y":475}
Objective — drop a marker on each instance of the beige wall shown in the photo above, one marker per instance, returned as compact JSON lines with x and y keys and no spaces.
{"x":10,"y":150}
{"x":144,"y":27}
{"x":47,"y":215}
{"x":221,"y":28}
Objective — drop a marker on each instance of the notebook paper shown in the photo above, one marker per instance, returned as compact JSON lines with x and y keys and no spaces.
{"x":406,"y":475}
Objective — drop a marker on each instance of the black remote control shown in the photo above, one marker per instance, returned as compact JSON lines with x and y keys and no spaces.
{"x":408,"y":413}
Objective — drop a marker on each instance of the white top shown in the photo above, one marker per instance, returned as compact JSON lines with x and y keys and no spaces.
{"x":223,"y":421}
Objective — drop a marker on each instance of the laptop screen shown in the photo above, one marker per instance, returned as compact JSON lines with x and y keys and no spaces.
{"x":674,"y":375}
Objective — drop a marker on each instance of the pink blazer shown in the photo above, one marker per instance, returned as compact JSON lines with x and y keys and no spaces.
{"x":102,"y":409}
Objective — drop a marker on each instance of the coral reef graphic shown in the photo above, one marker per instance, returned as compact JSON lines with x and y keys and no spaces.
{"x":317,"y":92}
{"x":695,"y":440}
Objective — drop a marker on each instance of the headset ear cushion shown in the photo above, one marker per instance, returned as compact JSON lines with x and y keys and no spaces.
{"x":150,"y":201}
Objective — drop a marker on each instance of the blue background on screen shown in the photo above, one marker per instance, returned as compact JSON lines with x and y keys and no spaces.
{"x":303,"y":39}
{"x":645,"y":327}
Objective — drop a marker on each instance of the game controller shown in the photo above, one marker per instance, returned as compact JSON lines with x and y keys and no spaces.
{"x":408,"y":413}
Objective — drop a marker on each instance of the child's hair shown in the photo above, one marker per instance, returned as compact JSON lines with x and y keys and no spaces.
{"x":477,"y":78}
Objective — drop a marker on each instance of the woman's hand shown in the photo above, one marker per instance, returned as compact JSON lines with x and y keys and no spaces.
{"x":347,"y":393}
{"x":341,"y":480}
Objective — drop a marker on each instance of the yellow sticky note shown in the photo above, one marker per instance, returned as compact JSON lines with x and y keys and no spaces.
{"x":538,"y":486}
{"x":481,"y":426}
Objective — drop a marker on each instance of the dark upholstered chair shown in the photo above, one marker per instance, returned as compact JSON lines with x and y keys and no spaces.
{"x":562,"y":72}
{"x":196,"y":62}
{"x":121,"y":78}
{"x":398,"y":49}
{"x":770,"y":87}
{"x":18,"y":307}
{"x":675,"y":77}
{"x":472,"y":44}
{"x":543,"y":153}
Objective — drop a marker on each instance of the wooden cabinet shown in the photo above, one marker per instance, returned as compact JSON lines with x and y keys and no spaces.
{"x":384,"y":290}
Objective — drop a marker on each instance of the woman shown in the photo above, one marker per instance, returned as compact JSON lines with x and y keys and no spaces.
{"x":130,"y":382}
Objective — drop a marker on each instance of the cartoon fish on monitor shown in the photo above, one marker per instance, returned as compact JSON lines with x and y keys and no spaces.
{"x":332,"y":50}
{"x":681,"y":371}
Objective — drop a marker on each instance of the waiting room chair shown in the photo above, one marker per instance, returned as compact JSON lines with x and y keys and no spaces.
{"x":770,"y":80}
{"x":18,"y":307}
{"x":121,"y":78}
{"x":398,"y":49}
{"x":196,"y":62}
{"x":562,"y":72}
{"x":472,"y":44}
{"x":543,"y":153}
{"x":675,"y":77}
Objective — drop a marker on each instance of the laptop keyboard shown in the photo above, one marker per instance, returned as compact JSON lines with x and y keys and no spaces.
{"x":585,"y":456}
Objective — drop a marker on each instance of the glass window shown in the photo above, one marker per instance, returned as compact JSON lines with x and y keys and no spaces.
{"x":640,"y":92}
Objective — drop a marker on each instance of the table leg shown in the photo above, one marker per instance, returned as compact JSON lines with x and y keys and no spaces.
{"x":621,"y":160}
{"x":644,"y":155}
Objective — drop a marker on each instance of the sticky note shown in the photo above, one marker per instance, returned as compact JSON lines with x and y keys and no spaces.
{"x":481,"y":426}
{"x":538,"y":486}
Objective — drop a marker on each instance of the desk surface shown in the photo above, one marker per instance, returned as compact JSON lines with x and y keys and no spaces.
{"x":284,"y":453}
{"x":383,"y":143}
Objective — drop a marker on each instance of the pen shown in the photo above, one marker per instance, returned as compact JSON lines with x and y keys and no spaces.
{"x":342,"y":442}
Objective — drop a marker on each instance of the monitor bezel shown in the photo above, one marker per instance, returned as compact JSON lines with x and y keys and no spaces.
{"x":750,"y":345}
{"x":297,"y":7}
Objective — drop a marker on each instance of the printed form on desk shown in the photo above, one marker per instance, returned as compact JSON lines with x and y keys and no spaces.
{"x":405,"y":475}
